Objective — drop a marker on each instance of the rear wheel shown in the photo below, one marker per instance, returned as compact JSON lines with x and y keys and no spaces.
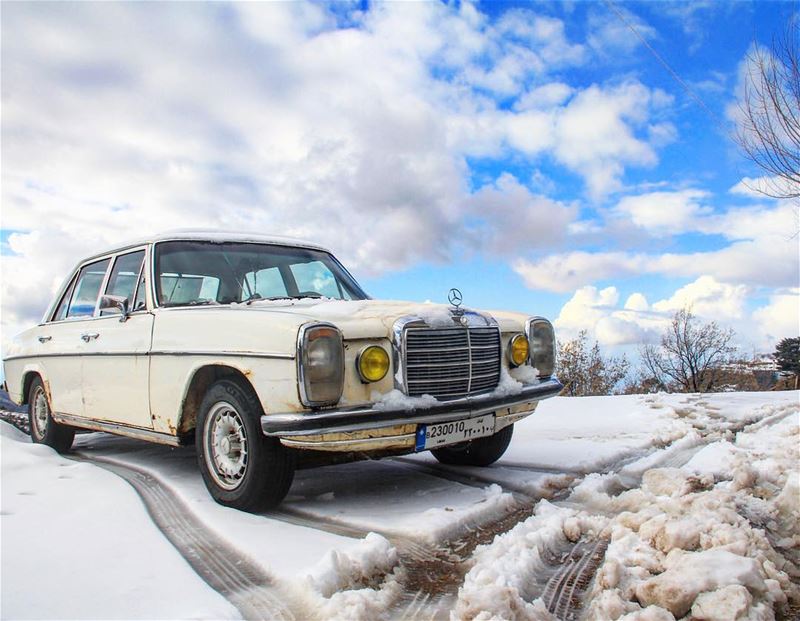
{"x":44,"y":430}
{"x":480,"y":452}
{"x":241,"y":467}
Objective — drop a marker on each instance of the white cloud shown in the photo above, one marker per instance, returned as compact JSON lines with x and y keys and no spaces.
{"x":568,"y":271}
{"x":664,"y":212}
{"x":707,"y":298}
{"x":779,"y":319}
{"x":596,"y":133}
{"x":515,"y":220}
{"x":691,"y":16}
{"x":611,"y":36}
{"x":547,"y":34}
{"x":762,"y":250}
{"x":597,"y":311}
{"x":587,"y":306}
{"x":764,"y":187}
{"x":545,"y":96}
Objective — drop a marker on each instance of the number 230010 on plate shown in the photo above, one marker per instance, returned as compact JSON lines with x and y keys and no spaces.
{"x":442,"y":434}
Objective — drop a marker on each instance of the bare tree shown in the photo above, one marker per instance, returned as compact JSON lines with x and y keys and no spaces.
{"x":691,"y":355}
{"x":769,"y":133}
{"x":585,"y":371}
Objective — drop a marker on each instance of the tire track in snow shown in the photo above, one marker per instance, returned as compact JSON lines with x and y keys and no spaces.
{"x":520,"y":492}
{"x":298,"y":517}
{"x":245,"y":585}
{"x":563,"y":594}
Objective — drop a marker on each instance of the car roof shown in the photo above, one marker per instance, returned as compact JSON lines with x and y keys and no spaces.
{"x":213,"y":236}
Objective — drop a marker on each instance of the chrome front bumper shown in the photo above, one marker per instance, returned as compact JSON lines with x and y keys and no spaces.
{"x":366,"y":417}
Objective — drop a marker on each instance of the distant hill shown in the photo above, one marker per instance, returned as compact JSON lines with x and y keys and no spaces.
{"x":8,"y":404}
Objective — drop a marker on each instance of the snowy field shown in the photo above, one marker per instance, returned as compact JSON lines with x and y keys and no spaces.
{"x":638,"y":508}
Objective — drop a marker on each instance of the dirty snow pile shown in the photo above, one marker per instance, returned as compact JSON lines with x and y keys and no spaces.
{"x":717,"y":538}
{"x":357,"y":583}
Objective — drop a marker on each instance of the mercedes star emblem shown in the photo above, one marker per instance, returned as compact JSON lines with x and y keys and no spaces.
{"x":455,"y":297}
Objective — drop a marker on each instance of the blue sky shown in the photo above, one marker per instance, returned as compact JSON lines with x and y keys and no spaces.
{"x":536,"y":155}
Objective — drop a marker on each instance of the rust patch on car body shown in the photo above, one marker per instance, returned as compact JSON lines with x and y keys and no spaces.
{"x":46,"y":386}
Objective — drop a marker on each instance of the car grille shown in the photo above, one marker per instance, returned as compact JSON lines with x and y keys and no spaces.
{"x":451,"y":362}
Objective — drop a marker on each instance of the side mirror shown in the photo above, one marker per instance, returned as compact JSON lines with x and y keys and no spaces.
{"x":115,"y":303}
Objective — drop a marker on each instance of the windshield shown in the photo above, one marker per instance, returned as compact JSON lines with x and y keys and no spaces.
{"x":190,"y":273}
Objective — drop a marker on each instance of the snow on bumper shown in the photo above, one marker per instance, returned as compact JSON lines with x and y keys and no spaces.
{"x":342,"y":429}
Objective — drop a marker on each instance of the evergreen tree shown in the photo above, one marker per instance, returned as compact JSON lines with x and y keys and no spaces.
{"x":787,"y":356}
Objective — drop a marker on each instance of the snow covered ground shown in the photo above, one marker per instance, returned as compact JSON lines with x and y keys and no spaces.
{"x":634,"y":507}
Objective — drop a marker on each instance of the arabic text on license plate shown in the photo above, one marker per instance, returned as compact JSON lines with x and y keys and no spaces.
{"x":442,"y":434}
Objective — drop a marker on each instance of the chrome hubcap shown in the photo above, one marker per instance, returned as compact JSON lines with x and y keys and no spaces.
{"x":225,"y":445}
{"x":41,"y":412}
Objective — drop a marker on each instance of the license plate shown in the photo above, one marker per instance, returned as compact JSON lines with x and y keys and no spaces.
{"x":442,"y":434}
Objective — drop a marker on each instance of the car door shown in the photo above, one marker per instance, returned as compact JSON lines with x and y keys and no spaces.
{"x":116,"y":363}
{"x":62,"y":342}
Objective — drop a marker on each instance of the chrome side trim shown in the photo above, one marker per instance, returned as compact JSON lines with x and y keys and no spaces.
{"x":370,"y":416}
{"x":347,"y":444}
{"x":224,"y":354}
{"x":81,"y":355}
{"x":117,"y":429}
{"x":210,"y":354}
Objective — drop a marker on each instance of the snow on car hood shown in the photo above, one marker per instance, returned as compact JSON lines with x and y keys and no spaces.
{"x":373,"y":318}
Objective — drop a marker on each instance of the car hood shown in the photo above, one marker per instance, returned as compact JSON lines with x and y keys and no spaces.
{"x":373,"y":318}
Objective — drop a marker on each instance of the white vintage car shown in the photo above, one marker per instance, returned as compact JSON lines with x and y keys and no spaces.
{"x":268,"y":355}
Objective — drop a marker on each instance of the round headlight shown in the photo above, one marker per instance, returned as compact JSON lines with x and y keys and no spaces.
{"x":372,"y":363}
{"x":518,"y":350}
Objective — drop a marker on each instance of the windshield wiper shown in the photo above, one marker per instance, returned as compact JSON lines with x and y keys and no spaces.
{"x":191,"y":303}
{"x":272,"y":298}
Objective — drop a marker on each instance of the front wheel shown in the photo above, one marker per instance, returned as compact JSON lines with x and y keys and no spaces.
{"x":480,"y":452}
{"x":241,"y":467}
{"x":44,"y":430}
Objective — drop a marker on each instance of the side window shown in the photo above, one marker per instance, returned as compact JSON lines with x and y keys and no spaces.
{"x":63,"y":305}
{"x":268,"y":283}
{"x":124,"y":276}
{"x":141,"y":301}
{"x":87,"y":288}
{"x":315,"y":277}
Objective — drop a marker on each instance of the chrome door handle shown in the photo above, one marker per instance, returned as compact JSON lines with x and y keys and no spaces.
{"x":44,"y":339}
{"x":88,"y":336}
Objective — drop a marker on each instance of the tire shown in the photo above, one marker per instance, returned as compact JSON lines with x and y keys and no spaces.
{"x":44,"y":430}
{"x":241,"y":467}
{"x":480,"y":452}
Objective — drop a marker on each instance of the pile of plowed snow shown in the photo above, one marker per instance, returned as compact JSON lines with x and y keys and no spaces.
{"x":717,"y":538}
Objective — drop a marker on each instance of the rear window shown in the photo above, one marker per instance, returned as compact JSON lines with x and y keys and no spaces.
{"x":87,"y":289}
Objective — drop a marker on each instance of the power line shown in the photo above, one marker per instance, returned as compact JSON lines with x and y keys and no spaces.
{"x":660,"y":59}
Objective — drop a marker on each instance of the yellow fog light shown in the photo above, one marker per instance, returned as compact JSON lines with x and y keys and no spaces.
{"x":518,"y":350}
{"x":372,"y":363}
